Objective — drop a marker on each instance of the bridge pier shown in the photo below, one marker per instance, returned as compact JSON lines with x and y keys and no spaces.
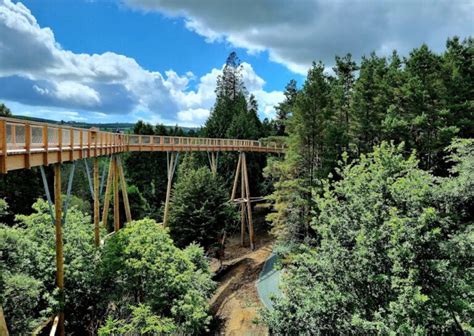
{"x":59,"y":245}
{"x":244,"y":201}
{"x":213,"y":157}
{"x":96,"y":203}
{"x":171,"y":163}
{"x":115,"y":181}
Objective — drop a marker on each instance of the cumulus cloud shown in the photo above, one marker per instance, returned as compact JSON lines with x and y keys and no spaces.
{"x":195,"y":105}
{"x":35,"y":70}
{"x":297,"y":32}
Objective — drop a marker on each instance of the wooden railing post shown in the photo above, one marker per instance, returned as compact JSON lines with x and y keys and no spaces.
{"x":45,"y":145}
{"x":89,"y":141}
{"x":71,"y":144}
{"x":60,"y":145}
{"x":27,"y":146}
{"x":3,"y":146}
{"x":81,"y":144}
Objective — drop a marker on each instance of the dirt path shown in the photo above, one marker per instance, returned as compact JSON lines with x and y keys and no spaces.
{"x":235,"y":304}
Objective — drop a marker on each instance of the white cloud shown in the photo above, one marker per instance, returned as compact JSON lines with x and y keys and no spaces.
{"x":193,"y":117}
{"x":36,"y":71}
{"x":297,"y":32}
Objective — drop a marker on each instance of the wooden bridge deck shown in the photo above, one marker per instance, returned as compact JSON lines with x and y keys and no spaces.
{"x":26,"y":144}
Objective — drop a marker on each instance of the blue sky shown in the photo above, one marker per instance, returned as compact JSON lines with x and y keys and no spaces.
{"x":157,"y":60}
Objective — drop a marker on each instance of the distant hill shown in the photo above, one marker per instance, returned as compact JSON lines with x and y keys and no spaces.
{"x":125,"y":127}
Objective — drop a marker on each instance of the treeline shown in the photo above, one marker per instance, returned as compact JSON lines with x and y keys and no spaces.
{"x":373,"y":203}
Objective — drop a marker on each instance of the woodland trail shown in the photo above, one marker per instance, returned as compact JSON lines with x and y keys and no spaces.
{"x":236,"y":303}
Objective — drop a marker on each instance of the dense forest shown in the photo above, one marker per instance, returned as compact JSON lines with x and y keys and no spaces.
{"x":371,"y":207}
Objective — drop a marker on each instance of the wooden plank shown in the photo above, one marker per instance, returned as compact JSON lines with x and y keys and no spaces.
{"x":59,"y":244}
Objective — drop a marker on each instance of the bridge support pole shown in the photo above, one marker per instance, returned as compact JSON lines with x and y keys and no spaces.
{"x":212,"y":157}
{"x":242,"y":205}
{"x":59,"y":244}
{"x":249,"y":204}
{"x":96,"y":203}
{"x":126,"y":204}
{"x":245,"y":201}
{"x":3,"y":323}
{"x":116,"y":196}
{"x":108,"y":187}
{"x":115,"y":182}
{"x":171,"y":160}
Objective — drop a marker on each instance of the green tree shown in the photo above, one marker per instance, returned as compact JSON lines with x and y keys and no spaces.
{"x":285,"y":108}
{"x":341,"y":93}
{"x":369,"y":103}
{"x":199,"y":209}
{"x":147,"y":171}
{"x":393,"y":255}
{"x":27,"y":269}
{"x":230,"y":98}
{"x":5,"y":111}
{"x":144,"y":267}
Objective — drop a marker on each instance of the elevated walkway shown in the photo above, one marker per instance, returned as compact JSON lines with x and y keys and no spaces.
{"x":26,"y":144}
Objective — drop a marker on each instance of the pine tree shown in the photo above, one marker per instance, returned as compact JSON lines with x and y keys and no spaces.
{"x":230,"y":98}
{"x":369,"y":103}
{"x":5,"y":111}
{"x":341,"y":91}
{"x":285,"y":108}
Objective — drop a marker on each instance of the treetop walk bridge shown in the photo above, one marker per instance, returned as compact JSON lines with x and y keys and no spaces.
{"x":27,"y":144}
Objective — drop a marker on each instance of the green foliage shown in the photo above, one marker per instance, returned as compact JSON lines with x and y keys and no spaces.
{"x":138,"y":204}
{"x":5,"y":111}
{"x":142,"y":321}
{"x":393,"y":255}
{"x":143,"y":266}
{"x":27,"y":270}
{"x":199,"y":208}
{"x":424,"y":100}
{"x":20,"y":189}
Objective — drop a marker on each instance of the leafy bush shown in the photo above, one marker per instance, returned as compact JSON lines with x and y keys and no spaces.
{"x":28,"y":270}
{"x":394,"y":255}
{"x":142,"y":265}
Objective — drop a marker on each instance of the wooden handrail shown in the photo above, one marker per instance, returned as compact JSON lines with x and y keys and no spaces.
{"x":96,"y":143}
